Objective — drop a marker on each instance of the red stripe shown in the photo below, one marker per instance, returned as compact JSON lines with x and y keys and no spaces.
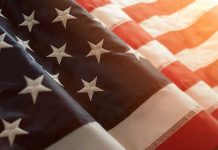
{"x":90,"y":5}
{"x":180,"y":75}
{"x":141,"y":11}
{"x":192,"y":36}
{"x":209,"y":74}
{"x":215,"y":113}
{"x":200,"y":133}
{"x":132,"y":34}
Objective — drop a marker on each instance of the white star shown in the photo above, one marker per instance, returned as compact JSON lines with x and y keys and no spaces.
{"x":29,"y":21}
{"x":90,"y":88}
{"x":97,"y":50}
{"x":33,"y":87}
{"x":24,"y":44}
{"x":136,"y":54}
{"x":59,"y":53}
{"x":55,"y":77}
{"x":2,"y":14}
{"x":11,"y":130}
{"x":63,"y":16}
{"x":3,"y":44}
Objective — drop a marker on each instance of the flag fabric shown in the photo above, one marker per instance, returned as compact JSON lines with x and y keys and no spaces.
{"x":196,"y":47}
{"x":191,"y":38}
{"x":123,"y":22}
{"x":123,"y":92}
{"x":36,"y":113}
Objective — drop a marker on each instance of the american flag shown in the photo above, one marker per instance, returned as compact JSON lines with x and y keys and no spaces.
{"x":62,"y":69}
{"x":36,"y":113}
{"x":132,"y":21}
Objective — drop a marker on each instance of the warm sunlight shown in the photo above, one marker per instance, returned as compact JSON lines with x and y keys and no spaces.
{"x":109,"y":75}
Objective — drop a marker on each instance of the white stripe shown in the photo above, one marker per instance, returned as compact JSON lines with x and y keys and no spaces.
{"x":111,"y":15}
{"x":204,"y":95}
{"x":157,"y":54}
{"x":154,"y":118}
{"x":200,"y":56}
{"x":216,"y":89}
{"x":88,"y":137}
{"x":126,"y":3}
{"x":181,"y":19}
